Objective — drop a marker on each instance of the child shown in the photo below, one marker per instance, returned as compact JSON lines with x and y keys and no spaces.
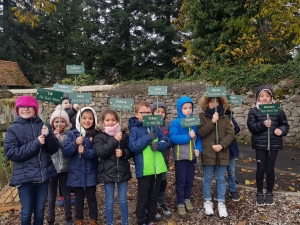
{"x":233,"y":153}
{"x":186,"y":148}
{"x":215,"y":156}
{"x":59,"y":122}
{"x":147,"y":145}
{"x":82,"y":171}
{"x":29,"y":144}
{"x":112,"y":148}
{"x":258,"y":126}
{"x":159,"y":108}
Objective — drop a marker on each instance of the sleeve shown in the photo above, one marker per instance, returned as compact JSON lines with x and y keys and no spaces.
{"x":235,"y":126}
{"x":89,"y":152}
{"x":70,"y":148}
{"x":175,"y":136}
{"x":105,"y":148}
{"x":51,"y":143}
{"x":163,"y":140}
{"x":283,"y":123}
{"x":206,"y":126}
{"x":138,"y":143}
{"x":22,"y":153}
{"x":126,"y":153}
{"x":253,"y":124}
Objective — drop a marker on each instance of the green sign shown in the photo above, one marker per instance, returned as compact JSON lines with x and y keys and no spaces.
{"x":80,"y":98}
{"x":153,"y":120}
{"x":212,"y":92}
{"x":63,"y":88}
{"x":235,"y":99}
{"x":190,"y":121}
{"x":269,"y":108}
{"x":157,"y":90}
{"x":75,"y":69}
{"x":45,"y":95}
{"x":121,"y":103}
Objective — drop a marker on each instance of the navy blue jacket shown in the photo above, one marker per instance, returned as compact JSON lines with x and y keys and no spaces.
{"x":82,"y":170}
{"x":233,"y":147}
{"x":32,"y":161}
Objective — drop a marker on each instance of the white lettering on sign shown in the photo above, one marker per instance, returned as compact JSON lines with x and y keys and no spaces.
{"x":216,"y":89}
{"x":49,"y":93}
{"x":120,"y":101}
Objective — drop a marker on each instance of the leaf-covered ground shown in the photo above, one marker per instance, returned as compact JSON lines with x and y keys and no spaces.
{"x":285,"y":211}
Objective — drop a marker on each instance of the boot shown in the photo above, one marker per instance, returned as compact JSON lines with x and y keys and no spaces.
{"x":93,"y":222}
{"x":79,"y":222}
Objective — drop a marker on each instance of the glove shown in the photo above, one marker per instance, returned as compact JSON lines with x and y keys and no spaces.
{"x":154,"y":146}
{"x":152,"y":135}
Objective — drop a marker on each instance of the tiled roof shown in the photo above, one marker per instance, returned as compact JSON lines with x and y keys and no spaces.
{"x":11,"y":75}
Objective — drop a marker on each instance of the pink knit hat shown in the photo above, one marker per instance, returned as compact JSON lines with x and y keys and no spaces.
{"x":27,"y":100}
{"x":63,"y":114}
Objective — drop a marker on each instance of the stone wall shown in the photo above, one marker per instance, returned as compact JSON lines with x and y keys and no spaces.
{"x":102,"y":93}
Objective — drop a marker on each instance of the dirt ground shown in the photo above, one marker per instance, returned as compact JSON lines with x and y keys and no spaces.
{"x":245,"y":212}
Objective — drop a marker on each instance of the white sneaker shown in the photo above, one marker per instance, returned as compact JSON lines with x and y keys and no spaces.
{"x":208,"y":208}
{"x":222,"y":210}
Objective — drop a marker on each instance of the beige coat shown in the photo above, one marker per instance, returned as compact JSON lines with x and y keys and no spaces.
{"x":207,"y":130}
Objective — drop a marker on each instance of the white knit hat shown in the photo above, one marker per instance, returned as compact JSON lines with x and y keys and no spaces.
{"x":57,"y":113}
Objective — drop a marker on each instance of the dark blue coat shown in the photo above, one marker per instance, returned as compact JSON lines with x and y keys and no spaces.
{"x":233,"y":147}
{"x":32,"y":161}
{"x":82,"y":170}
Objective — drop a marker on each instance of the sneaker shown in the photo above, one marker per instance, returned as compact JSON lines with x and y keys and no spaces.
{"x":72,"y":198}
{"x":208,"y":208}
{"x":188,"y":206}
{"x":166,"y":212}
{"x":215,"y":197}
{"x":69,"y":221}
{"x":269,"y":199}
{"x":60,"y":202}
{"x":158,"y":217}
{"x":222,"y":210}
{"x":234,"y":196}
{"x":50,"y":221}
{"x":181,"y":211}
{"x":260,"y":200}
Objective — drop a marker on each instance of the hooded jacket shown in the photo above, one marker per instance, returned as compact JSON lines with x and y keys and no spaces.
{"x":146,"y":162}
{"x":82,"y":170}
{"x":183,"y":146}
{"x":259,"y":132}
{"x":32,"y":161}
{"x":112,"y":169}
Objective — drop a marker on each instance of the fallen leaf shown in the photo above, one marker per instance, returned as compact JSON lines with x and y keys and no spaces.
{"x":243,"y":222}
{"x":291,"y":188}
{"x":171,"y":222}
{"x":243,"y":169}
{"x":247,"y":182}
{"x":295,"y":207}
{"x":289,"y":168}
{"x":263,"y":217}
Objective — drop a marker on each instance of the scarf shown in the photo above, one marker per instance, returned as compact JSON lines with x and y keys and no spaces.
{"x":112,"y":131}
{"x":210,"y":112}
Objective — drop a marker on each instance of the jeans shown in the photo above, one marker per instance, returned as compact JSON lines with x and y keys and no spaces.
{"x":231,"y":175}
{"x":109,"y":189}
{"x":220,"y":182}
{"x":60,"y":179}
{"x":33,"y":197}
{"x":148,"y":188}
{"x":90,"y":194}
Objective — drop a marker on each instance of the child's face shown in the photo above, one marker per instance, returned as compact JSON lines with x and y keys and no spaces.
{"x":143,"y":111}
{"x":65,"y":104}
{"x":264,"y":97}
{"x":187,"y":109}
{"x":62,"y":124}
{"x":160,"y":111}
{"x":87,"y":120}
{"x":212,"y":103}
{"x":109,"y":120}
{"x":26,"y":112}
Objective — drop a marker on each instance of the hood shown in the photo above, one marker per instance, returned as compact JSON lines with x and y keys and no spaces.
{"x":156,"y":105}
{"x":133,"y":122}
{"x":83,"y":132}
{"x":264,"y":88}
{"x":182,"y":100}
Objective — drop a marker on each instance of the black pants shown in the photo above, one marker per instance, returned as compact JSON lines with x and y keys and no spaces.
{"x":148,"y":188}
{"x":90,"y":194}
{"x":265,"y":163}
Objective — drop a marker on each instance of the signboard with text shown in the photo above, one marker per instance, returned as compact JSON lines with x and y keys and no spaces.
{"x":80,"y":98}
{"x":152,"y":120}
{"x":235,"y":99}
{"x":75,"y":69}
{"x":269,"y":108}
{"x":157,"y":90}
{"x":46,"y":95}
{"x":121,"y":103}
{"x":212,"y":92}
{"x":190,"y":121}
{"x":63,"y":88}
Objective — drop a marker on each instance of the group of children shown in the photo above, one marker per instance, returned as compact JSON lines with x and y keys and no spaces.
{"x":46,"y":155}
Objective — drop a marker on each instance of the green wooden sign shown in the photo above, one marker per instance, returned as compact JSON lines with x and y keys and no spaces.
{"x":121,"y":104}
{"x":269,"y":108}
{"x":235,"y":99}
{"x":153,"y":120}
{"x":63,"y":88}
{"x":190,"y":121}
{"x":212,"y":92}
{"x":80,"y":98}
{"x":45,"y":95}
{"x":75,"y":69}
{"x":157,"y":90}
